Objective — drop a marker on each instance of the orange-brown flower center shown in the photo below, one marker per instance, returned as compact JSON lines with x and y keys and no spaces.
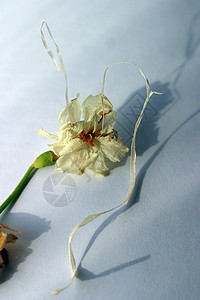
{"x":87,"y":137}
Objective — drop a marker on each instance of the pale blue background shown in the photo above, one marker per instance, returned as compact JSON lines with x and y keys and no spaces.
{"x":149,"y":249}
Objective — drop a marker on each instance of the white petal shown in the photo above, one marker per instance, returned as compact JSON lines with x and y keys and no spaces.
{"x":114,"y":149}
{"x":71,"y":113}
{"x":71,"y":146}
{"x":93,"y":99}
{"x":57,"y":148}
{"x":75,"y":162}
{"x":64,"y":135}
{"x":98,"y":165}
{"x":93,"y":105}
{"x":48,"y":135}
{"x":109,"y":122}
{"x":93,"y":124}
{"x":71,"y":131}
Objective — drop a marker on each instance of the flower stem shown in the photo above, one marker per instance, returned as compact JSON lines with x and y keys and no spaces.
{"x":45,"y":159}
{"x":19,"y":188}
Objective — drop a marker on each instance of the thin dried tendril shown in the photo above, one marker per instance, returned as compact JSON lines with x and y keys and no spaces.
{"x":52,"y":56}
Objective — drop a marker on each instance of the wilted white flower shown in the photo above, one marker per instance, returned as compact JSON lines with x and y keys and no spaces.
{"x":87,"y":142}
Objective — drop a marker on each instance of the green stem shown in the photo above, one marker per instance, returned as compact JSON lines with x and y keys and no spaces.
{"x":43,"y":160}
{"x":19,"y":188}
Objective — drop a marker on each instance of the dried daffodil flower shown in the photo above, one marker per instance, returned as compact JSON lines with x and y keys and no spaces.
{"x":5,"y":238}
{"x":86,"y":144}
{"x":82,"y":144}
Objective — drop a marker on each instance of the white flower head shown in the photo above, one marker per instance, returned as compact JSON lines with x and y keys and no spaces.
{"x":86,"y":137}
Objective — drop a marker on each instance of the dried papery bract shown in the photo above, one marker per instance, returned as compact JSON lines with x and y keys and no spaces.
{"x":88,"y":137}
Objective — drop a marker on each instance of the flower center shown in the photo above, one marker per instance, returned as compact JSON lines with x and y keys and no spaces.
{"x":87,"y":137}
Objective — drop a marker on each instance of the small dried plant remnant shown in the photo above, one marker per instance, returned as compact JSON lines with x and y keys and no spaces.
{"x":5,"y":238}
{"x":82,"y":144}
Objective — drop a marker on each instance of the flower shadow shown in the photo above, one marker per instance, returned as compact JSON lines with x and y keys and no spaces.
{"x":30,"y":227}
{"x":127,"y":115}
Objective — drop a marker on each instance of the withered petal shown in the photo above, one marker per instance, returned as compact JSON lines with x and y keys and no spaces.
{"x":11,"y":238}
{"x":9,"y":228}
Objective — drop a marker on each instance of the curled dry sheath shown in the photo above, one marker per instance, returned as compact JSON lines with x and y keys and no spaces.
{"x":5,"y":238}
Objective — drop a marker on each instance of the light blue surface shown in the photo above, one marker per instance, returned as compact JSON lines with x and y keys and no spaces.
{"x":150,"y":248}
